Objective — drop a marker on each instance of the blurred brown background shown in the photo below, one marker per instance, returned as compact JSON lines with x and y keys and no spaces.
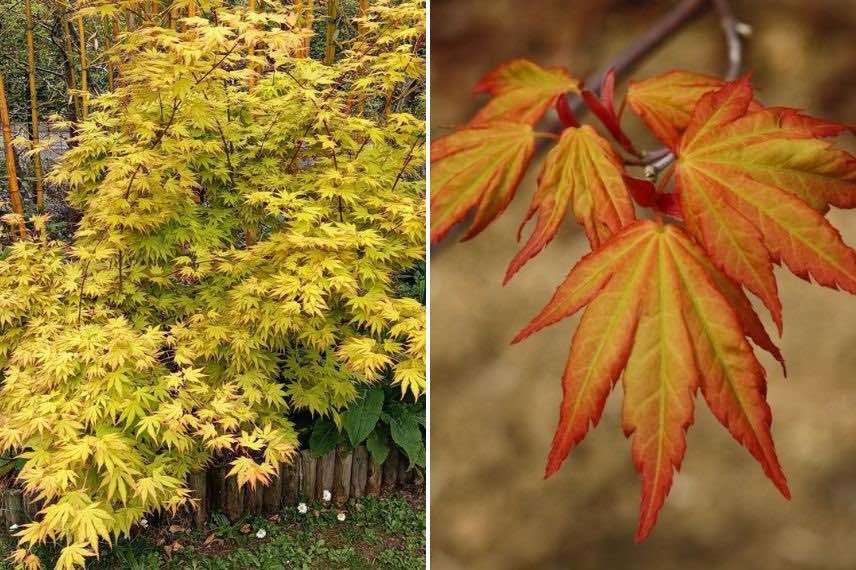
{"x":494,"y":407}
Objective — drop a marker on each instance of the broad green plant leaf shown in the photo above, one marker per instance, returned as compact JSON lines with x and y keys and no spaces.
{"x":362,"y":416}
{"x":378,"y":444}
{"x":654,"y":313}
{"x":324,"y":438}
{"x":407,"y":435}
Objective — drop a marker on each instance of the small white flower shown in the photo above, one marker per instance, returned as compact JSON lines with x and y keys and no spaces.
{"x":13,"y":527}
{"x":261,"y":533}
{"x":341,"y":517}
{"x":302,"y":508}
{"x":326,"y":496}
{"x":144,"y":523}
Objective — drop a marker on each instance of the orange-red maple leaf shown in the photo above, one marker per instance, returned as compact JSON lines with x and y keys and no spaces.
{"x":655,"y":313}
{"x":666,"y":102}
{"x":743,"y":179}
{"x":522,"y":91}
{"x":479,"y":165}
{"x":582,"y":171}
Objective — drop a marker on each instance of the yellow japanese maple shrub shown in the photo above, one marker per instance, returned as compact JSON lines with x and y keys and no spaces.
{"x":246,"y":211}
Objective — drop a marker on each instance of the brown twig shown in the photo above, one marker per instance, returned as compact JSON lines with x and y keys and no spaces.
{"x":637,"y":52}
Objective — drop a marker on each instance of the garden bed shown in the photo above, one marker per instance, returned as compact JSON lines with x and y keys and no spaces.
{"x":337,"y":476}
{"x":378,"y":533}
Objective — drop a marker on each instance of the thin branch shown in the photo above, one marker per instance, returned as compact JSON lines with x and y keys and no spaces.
{"x":730,"y":26}
{"x":407,"y":160}
{"x":627,"y":60}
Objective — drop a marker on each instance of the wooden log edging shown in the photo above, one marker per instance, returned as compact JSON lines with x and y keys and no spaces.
{"x":345,"y":474}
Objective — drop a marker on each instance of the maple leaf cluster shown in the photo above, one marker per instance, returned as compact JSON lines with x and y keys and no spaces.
{"x":666,"y":305}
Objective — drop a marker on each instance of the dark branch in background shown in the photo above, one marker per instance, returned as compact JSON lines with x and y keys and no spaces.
{"x":627,"y":61}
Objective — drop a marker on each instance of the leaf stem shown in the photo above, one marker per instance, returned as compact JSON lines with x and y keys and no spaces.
{"x":731,"y":28}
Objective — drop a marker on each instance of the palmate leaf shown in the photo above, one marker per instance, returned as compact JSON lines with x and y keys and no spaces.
{"x":477,"y":166}
{"x":656,"y":313}
{"x":666,"y":102}
{"x":522,"y":91}
{"x":584,"y":172}
{"x":743,"y":180}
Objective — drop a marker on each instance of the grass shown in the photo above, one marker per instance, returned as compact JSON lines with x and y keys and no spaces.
{"x":386,"y":534}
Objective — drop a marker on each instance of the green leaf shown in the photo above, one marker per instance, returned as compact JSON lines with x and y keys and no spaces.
{"x":325,"y":437}
{"x":6,"y":465}
{"x":378,"y":444}
{"x":407,"y":435}
{"x":362,"y":417}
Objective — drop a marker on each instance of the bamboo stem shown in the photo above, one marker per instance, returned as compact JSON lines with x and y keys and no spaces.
{"x":84,"y":69}
{"x":116,"y":33}
{"x":308,"y":22}
{"x":251,"y":49}
{"x":34,"y":107}
{"x":70,"y":72}
{"x":361,"y":32}
{"x":14,"y":191}
{"x":330,"y":44}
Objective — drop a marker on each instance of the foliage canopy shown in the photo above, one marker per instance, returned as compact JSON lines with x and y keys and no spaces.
{"x":246,"y":213}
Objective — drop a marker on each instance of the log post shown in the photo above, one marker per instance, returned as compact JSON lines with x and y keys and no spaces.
{"x":405,"y":473}
{"x":31,"y":507}
{"x":216,"y":480}
{"x":324,"y":475}
{"x":342,"y":476}
{"x":419,"y":477}
{"x":272,"y":494}
{"x":390,"y":470}
{"x":374,"y":477}
{"x":199,"y":485}
{"x":14,"y":507}
{"x":359,"y":471}
{"x":253,"y":499}
{"x":308,"y":463}
{"x":291,"y":480}
{"x":233,"y":499}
